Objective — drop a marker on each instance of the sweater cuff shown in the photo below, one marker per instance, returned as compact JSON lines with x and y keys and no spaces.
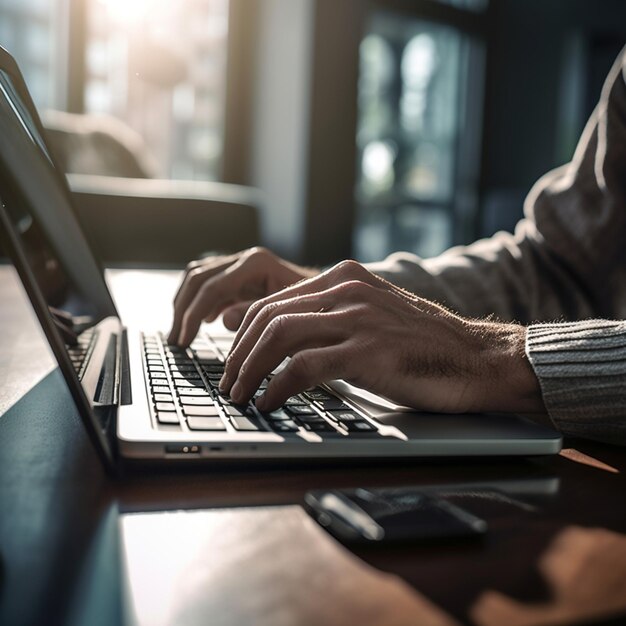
{"x":581,"y":368}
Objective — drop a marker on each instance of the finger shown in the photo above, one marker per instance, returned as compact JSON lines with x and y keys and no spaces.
{"x":192,"y":282}
{"x":312,"y":303}
{"x":344,"y":272}
{"x":306,"y":369}
{"x":285,"y":336}
{"x":233,"y":315}
{"x":214,"y":296}
{"x":205,"y":267}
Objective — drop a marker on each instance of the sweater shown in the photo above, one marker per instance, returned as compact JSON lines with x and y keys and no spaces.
{"x":562,"y":274}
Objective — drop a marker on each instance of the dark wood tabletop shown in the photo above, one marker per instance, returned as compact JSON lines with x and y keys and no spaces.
{"x":232,"y":544}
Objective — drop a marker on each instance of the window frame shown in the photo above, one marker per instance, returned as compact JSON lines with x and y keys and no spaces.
{"x":331,"y":207}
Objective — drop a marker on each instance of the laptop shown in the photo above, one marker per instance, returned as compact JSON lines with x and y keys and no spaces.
{"x":143,"y":399}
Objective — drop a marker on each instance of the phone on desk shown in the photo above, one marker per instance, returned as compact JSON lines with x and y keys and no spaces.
{"x":403,"y":514}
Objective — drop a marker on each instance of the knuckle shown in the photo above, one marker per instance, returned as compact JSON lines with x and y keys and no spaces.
{"x":256,"y":253}
{"x":266,"y":311}
{"x":276,"y":328}
{"x":349,"y":269}
{"x":255,"y":309}
{"x":196,"y":275}
{"x":354,"y":289}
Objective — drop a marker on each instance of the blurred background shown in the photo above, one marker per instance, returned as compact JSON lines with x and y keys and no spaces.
{"x":367,"y":126}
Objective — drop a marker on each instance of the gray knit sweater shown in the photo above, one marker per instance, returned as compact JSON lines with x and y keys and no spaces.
{"x":563,"y":273}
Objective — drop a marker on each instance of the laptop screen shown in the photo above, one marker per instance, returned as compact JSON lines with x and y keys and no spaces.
{"x":60,"y":273}
{"x":21,"y":112}
{"x":64,"y":297}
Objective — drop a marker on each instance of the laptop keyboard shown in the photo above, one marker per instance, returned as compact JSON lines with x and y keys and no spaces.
{"x":183,"y":385}
{"x":78,"y":354}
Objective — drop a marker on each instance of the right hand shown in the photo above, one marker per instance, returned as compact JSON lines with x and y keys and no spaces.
{"x":228,"y":285}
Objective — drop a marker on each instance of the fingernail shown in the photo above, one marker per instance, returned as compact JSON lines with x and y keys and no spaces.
{"x":235,"y":392}
{"x":261,"y":402}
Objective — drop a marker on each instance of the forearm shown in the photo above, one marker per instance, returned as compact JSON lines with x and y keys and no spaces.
{"x":511,"y":277}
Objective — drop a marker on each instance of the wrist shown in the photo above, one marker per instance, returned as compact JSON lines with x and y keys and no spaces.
{"x":512,"y":383}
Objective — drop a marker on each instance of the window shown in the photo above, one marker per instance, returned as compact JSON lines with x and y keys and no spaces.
{"x":27,"y":32}
{"x":160,"y":66}
{"x":418,"y":144}
{"x":157,"y":65}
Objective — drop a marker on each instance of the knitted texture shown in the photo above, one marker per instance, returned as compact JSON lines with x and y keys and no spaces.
{"x":581,"y":367}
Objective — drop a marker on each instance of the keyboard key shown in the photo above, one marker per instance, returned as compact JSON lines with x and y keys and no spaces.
{"x":159,"y":389}
{"x":244,"y":423}
{"x":167,"y":417}
{"x":295,"y":401}
{"x":317,"y":394}
{"x":359,"y":427}
{"x":183,"y":382}
{"x":180,"y":367}
{"x":285,"y":427}
{"x":310,"y":418}
{"x":205,"y":423}
{"x":277,"y":416}
{"x":165,"y":406}
{"x":213,"y":369}
{"x":235,"y":410}
{"x":185,"y":375}
{"x":302,"y":410}
{"x":163,"y":397}
{"x":201,"y":411}
{"x":334,"y":404}
{"x":345,"y":416}
{"x":193,"y":391}
{"x":319,"y":427}
{"x":183,"y":357}
{"x":196,"y":400}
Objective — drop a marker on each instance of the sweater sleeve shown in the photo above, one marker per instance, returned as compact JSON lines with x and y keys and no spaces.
{"x":581,"y":368}
{"x":573,"y":233}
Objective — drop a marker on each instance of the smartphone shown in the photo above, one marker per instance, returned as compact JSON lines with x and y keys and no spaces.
{"x":402,"y":514}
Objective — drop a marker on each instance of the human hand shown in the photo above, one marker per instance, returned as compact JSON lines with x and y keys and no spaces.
{"x":348,"y":323}
{"x":228,"y":284}
{"x":584,"y":570}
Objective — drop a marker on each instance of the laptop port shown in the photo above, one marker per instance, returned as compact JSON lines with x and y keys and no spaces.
{"x":182,"y":449}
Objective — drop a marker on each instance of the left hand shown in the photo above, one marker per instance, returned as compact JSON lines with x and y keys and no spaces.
{"x":348,"y":323}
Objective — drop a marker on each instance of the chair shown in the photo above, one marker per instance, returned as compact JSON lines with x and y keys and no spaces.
{"x":132,"y":218}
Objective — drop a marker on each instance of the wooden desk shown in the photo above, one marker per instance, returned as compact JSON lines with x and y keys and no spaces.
{"x":554,"y":552}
